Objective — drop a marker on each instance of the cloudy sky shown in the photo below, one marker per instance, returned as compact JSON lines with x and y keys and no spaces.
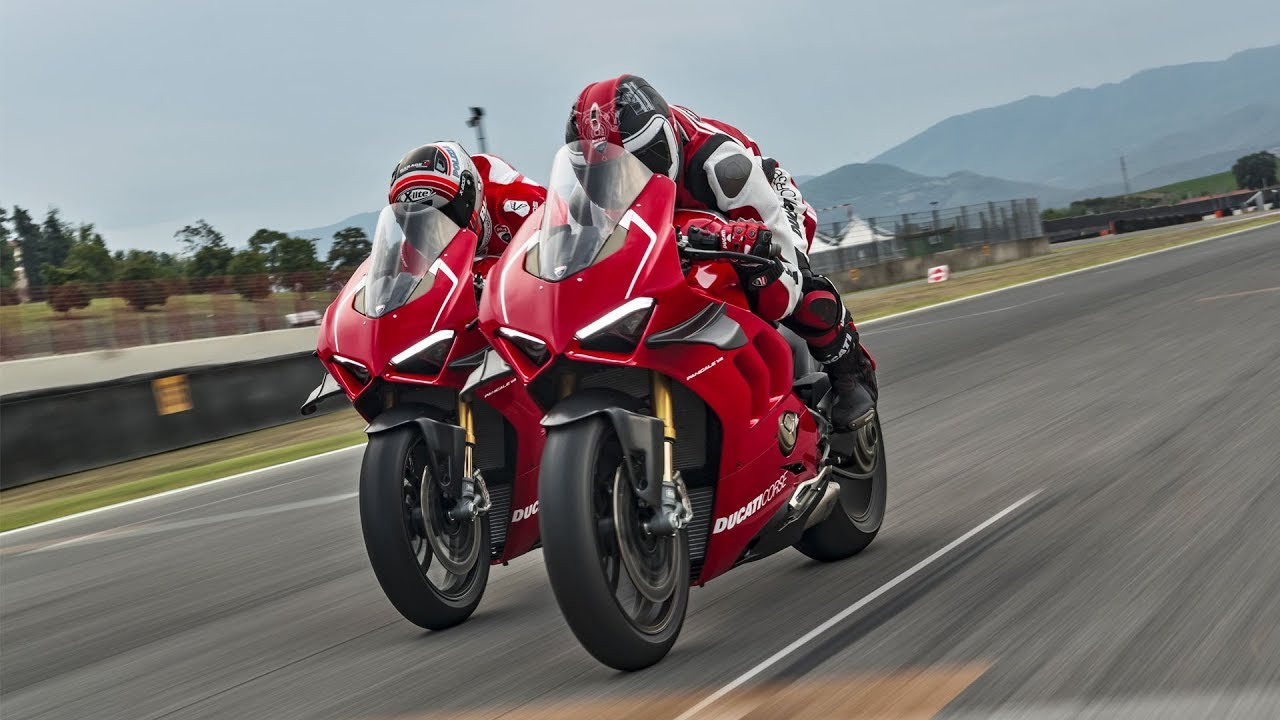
{"x":142,"y":115}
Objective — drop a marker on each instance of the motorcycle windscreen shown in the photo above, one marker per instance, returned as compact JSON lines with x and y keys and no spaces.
{"x":591,"y":188}
{"x":409,"y":238}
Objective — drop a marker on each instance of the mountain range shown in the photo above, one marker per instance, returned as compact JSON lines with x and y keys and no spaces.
{"x":1156,"y":118}
{"x":1170,"y":124}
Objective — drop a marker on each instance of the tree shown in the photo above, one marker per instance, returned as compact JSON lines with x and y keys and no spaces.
{"x":89,"y":260}
{"x":350,"y":247}
{"x":1255,"y":171}
{"x":8,"y":274}
{"x":293,"y":262}
{"x":27,"y":235}
{"x":56,"y":238}
{"x":248,"y":270}
{"x":139,"y":281}
{"x":207,"y":249}
{"x":67,"y":296}
{"x":263,"y":240}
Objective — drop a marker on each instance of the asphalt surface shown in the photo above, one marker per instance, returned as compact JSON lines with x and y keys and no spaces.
{"x":1139,"y":402}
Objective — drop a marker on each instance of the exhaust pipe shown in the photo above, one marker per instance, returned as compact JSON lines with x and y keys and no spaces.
{"x":822,"y":510}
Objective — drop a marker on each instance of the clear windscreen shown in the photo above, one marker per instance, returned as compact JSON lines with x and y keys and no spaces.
{"x":409,"y":238}
{"x":592,"y":186}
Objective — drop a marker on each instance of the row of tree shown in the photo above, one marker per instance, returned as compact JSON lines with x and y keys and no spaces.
{"x":67,"y":265}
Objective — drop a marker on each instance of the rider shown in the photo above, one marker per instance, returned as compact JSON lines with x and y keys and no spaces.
{"x":481,"y":192}
{"x":717,"y":168}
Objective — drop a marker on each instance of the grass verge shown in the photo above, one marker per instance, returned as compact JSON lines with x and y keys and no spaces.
{"x":879,"y":302}
{"x":91,"y":489}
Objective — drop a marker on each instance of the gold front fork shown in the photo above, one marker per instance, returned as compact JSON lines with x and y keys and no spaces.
{"x":467,"y":422}
{"x":664,"y":410}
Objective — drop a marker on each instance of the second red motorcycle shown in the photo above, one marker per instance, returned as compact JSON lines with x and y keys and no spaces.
{"x":685,"y":435}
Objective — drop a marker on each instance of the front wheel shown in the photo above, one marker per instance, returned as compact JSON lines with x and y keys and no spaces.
{"x":433,"y":569}
{"x":623,"y":591}
{"x":863,"y":477}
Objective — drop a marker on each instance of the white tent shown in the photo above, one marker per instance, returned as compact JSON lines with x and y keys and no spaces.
{"x":859,"y":231}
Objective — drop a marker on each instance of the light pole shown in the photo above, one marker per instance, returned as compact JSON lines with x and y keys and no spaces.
{"x":477,"y":121}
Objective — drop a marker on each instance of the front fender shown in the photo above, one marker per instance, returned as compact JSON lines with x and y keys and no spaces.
{"x":446,"y":443}
{"x":640,"y":435}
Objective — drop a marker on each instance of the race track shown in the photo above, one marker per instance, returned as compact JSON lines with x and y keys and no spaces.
{"x":1139,"y":402}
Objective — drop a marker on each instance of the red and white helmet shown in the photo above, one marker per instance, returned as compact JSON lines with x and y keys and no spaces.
{"x":442,"y":175}
{"x":625,"y":112}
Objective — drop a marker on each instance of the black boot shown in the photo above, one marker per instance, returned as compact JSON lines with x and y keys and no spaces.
{"x":854,"y":405}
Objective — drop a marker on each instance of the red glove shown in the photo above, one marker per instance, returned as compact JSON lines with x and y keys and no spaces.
{"x":738,"y":236}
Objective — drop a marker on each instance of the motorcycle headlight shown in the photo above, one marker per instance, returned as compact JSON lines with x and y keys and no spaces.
{"x":619,"y":329}
{"x":532,"y":347}
{"x":354,"y":367}
{"x":427,"y":356}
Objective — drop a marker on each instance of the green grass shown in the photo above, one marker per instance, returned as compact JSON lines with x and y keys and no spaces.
{"x":70,"y":494}
{"x":1223,"y":182}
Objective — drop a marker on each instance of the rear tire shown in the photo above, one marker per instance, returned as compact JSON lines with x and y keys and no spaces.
{"x":580,"y":495}
{"x":396,"y":526}
{"x":857,"y":516}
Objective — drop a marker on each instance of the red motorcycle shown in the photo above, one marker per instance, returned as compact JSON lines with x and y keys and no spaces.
{"x":685,"y":435}
{"x":454,"y":439}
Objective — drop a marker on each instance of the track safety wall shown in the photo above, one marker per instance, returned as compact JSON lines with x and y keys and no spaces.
{"x":48,"y":433}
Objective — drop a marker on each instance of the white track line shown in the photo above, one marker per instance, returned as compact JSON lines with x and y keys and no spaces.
{"x":855,"y":607}
{"x":935,"y":306}
{"x":177,"y":491}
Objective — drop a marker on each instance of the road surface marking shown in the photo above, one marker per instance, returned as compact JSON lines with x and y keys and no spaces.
{"x":935,"y":306}
{"x":1240,"y":294}
{"x":177,"y":491}
{"x":913,"y":692}
{"x":962,"y":317}
{"x":855,"y":607}
{"x":139,"y":530}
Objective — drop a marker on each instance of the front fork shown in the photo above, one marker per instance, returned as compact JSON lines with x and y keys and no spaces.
{"x":473,"y":501}
{"x":676,"y":510}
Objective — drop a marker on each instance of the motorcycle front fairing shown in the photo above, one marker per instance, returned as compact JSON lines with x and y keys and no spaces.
{"x":635,"y":279}
{"x":403,"y":315}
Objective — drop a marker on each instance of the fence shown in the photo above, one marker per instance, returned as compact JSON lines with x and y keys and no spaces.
{"x":83,"y":316}
{"x":861,"y":242}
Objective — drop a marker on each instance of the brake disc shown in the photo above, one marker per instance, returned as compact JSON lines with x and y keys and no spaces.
{"x":650,"y":560}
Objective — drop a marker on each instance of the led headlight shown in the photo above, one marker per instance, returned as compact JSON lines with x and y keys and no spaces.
{"x":427,"y":356}
{"x":619,"y":329}
{"x":532,"y":347}
{"x":354,"y":367}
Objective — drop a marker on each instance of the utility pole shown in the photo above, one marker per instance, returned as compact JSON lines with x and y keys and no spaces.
{"x":477,"y":121}
{"x":1124,"y":172}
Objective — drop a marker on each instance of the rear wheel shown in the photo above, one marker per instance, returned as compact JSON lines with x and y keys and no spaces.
{"x":856,"y":517}
{"x":623,"y":591}
{"x":433,"y":569}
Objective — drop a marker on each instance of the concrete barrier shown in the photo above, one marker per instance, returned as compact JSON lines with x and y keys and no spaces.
{"x":916,"y":268}
{"x":51,"y":432}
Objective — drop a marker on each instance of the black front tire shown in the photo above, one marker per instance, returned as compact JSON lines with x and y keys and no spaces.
{"x":584,"y":565}
{"x":856,"y":518}
{"x":400,"y":554}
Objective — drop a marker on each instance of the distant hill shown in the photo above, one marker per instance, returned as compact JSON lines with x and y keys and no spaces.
{"x":1158,"y":118}
{"x":324,"y":235}
{"x":877,"y":189}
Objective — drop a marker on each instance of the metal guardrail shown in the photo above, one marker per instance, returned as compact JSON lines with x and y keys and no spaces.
{"x":861,"y":242}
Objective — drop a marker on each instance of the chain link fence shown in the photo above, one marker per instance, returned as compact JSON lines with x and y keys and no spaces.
{"x":860,"y":242}
{"x":80,"y":317}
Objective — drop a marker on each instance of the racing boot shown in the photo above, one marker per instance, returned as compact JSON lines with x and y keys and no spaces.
{"x":854,"y":405}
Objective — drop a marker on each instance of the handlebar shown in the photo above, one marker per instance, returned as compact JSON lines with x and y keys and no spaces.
{"x":742,"y":259}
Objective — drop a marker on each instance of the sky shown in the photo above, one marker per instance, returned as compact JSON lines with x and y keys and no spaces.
{"x":143,"y":115}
